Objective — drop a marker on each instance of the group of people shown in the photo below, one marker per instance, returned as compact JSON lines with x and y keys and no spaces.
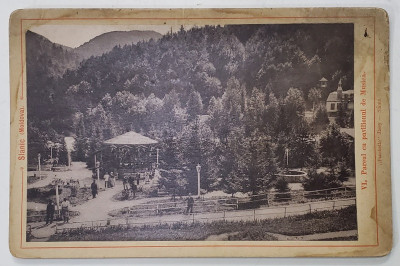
{"x":131,"y":184}
{"x":50,"y":210}
{"x":109,"y":182}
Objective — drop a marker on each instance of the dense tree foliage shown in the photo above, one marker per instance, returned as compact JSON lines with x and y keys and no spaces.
{"x":231,"y":98}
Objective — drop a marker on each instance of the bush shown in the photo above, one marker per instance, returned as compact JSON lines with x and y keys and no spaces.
{"x":319,"y":181}
{"x":321,"y":116}
{"x":342,"y":172}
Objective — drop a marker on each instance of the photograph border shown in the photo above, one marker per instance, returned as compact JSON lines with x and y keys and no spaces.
{"x":18,"y":17}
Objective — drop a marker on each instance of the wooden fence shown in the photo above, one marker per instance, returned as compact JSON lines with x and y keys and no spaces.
{"x":236,"y":215}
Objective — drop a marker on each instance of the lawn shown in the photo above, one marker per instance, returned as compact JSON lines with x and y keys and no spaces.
{"x":318,"y":222}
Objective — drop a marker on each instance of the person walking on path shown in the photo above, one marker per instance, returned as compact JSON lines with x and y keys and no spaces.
{"x":106,"y":180}
{"x":50,"y":212}
{"x":190,"y":203}
{"x":65,"y":210}
{"x":132,"y":185}
{"x":125,"y":182}
{"x":112,"y":180}
{"x":94,"y":188}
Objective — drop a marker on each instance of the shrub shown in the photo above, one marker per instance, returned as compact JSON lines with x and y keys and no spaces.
{"x":319,"y":181}
{"x":342,"y":172}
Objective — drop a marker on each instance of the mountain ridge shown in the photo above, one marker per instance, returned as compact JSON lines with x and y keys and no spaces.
{"x":107,"y":41}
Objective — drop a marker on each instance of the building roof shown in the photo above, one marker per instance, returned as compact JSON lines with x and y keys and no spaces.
{"x":348,"y":92}
{"x":334,"y":98}
{"x":348,"y":131}
{"x":323,"y":79}
{"x":130,"y":138}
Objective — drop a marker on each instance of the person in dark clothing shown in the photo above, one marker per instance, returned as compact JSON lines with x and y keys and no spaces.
{"x":50,"y":212}
{"x":125,"y":182}
{"x":93,"y":186}
{"x":133,"y":188}
{"x":190,"y":203}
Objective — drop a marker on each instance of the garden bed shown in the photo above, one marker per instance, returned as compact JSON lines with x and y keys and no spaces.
{"x":313,"y":223}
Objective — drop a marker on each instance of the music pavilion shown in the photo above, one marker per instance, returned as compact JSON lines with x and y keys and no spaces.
{"x":128,"y":153}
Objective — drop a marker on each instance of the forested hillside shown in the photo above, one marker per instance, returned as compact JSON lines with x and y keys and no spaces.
{"x":231,"y":98}
{"x":107,"y":41}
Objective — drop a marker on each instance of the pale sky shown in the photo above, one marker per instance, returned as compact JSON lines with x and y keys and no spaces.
{"x":75,"y":35}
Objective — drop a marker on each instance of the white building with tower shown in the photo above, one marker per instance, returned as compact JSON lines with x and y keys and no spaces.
{"x":339,"y":99}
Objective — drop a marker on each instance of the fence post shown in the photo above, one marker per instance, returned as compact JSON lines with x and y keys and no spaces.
{"x":310,"y":207}
{"x":334,"y":205}
{"x":285,"y":212}
{"x":193,"y":217}
{"x":237,"y":204}
{"x":345,"y":190}
{"x":254,"y":212}
{"x":224,"y":216}
{"x":157,"y":210}
{"x":326,"y":194}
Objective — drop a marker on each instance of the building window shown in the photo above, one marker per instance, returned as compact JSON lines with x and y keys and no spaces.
{"x":332,"y":106}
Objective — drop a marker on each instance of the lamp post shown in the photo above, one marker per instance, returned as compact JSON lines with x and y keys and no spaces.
{"x":39,"y":167}
{"x":157,"y":157}
{"x":198,"y":168}
{"x":57,"y":199}
{"x":97,"y":168}
{"x":287,"y":157}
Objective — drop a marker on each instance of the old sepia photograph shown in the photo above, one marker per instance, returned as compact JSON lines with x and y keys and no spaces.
{"x":190,"y":132}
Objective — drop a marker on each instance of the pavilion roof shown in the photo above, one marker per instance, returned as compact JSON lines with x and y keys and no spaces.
{"x":130,"y":138}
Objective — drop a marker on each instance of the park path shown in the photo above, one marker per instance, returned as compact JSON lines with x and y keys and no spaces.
{"x":42,"y":233}
{"x":99,"y":207}
{"x":95,"y":211}
{"x":78,"y":171}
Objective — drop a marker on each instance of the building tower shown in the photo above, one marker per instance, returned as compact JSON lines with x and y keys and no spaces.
{"x":340,"y":90}
{"x":323,"y":83}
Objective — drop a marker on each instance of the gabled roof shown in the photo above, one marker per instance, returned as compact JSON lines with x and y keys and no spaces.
{"x":130,"y":138}
{"x":323,"y":79}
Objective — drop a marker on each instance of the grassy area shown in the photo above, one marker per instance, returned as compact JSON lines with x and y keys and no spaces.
{"x":33,"y":179}
{"x":43,"y":194}
{"x":169,"y":207}
{"x":318,"y":222}
{"x":313,"y":223}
